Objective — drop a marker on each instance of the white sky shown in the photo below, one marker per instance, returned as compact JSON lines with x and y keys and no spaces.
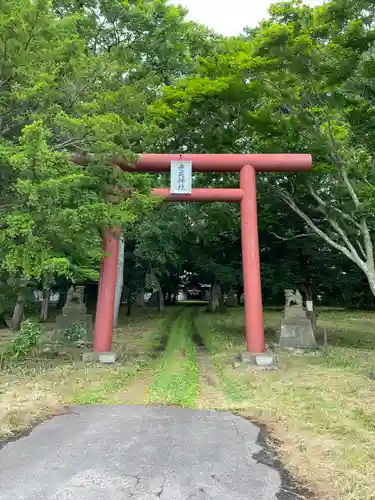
{"x":229,"y":16}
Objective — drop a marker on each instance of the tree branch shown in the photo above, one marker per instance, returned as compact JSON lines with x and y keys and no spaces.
{"x":344,"y":250}
{"x":291,"y":238}
{"x":69,"y":142}
{"x":335,"y":225}
{"x":368,"y":253}
{"x":5,"y":55}
{"x":316,"y":197}
{"x":345,"y":238}
{"x":349,"y":186}
{"x":323,"y":204}
{"x":361,"y":249}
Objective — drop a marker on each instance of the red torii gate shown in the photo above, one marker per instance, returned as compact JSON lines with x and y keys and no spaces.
{"x":247,"y":165}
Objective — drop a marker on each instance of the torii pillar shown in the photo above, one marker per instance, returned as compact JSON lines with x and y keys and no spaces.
{"x":247,"y":166}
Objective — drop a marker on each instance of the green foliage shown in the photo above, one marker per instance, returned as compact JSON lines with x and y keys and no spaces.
{"x":73,"y":333}
{"x":115,"y":79}
{"x":7,"y":297}
{"x":25,"y":341}
{"x":76,"y":83}
{"x":53,"y":107}
{"x":299,"y":82}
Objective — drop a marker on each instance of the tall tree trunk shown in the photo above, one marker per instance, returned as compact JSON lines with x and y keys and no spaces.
{"x":371,"y":281}
{"x":129,"y":311}
{"x":19,"y":308}
{"x":306,"y":289}
{"x":45,"y":304}
{"x":140,"y":298}
{"x":62,"y":298}
{"x":161,"y":300}
{"x":3,"y":321}
{"x":161,"y":306}
{"x":152,"y":278}
{"x":307,"y":286}
{"x":215,"y":296}
{"x":119,"y":280}
{"x":239,"y":294}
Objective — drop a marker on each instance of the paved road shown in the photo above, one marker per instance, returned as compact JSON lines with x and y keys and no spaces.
{"x":137,"y":453}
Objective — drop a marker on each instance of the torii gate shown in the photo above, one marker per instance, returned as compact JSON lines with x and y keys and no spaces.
{"x":247,"y":165}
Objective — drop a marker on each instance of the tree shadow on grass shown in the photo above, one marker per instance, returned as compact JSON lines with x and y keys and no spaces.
{"x":236,"y":334}
{"x":349,"y":337}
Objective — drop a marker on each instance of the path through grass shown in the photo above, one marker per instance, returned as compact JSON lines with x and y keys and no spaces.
{"x":176,"y":379}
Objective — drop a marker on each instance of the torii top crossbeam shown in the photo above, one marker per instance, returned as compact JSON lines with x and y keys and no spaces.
{"x":223,"y":162}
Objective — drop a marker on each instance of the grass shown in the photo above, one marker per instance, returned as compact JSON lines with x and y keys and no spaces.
{"x":320,"y":408}
{"x":176,"y":379}
{"x":37,"y":388}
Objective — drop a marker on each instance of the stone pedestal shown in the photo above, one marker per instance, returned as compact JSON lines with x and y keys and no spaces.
{"x":63,"y":323}
{"x":231,"y":300}
{"x":75,"y":313}
{"x":297,"y":332}
{"x":296,"y":329}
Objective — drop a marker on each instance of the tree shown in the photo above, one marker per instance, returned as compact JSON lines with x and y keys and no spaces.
{"x":274,"y":90}
{"x":58,"y":99}
{"x":307,"y":103}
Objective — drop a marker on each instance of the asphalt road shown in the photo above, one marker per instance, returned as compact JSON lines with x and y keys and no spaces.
{"x":137,"y":453}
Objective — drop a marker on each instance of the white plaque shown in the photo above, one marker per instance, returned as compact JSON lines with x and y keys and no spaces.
{"x":181,"y":177}
{"x":309,"y":305}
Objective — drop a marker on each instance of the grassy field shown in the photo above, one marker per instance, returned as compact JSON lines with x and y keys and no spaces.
{"x":36,"y":388}
{"x":319,"y":409}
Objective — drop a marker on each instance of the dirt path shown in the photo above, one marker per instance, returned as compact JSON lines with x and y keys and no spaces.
{"x":137,"y":392}
{"x":210,"y":395}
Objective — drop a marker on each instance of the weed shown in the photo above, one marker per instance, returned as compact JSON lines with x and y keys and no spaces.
{"x":26,"y":340}
{"x":73,"y":333}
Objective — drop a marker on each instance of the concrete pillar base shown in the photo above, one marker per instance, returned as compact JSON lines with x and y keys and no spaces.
{"x":107,"y":358}
{"x":101,"y":357}
{"x":90,"y":357}
{"x":265,"y":360}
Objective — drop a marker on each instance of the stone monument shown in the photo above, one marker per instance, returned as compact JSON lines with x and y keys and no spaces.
{"x":296,"y":329}
{"x":75,"y":313}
